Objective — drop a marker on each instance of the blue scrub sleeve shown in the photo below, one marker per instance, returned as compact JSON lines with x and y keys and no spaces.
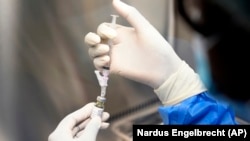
{"x":200,"y":109}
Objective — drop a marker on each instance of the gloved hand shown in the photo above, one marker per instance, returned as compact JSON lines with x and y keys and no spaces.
{"x":140,"y":53}
{"x":78,"y":126}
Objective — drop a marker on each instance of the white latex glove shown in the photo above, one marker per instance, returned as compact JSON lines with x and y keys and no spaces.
{"x":140,"y":53}
{"x":78,"y":126}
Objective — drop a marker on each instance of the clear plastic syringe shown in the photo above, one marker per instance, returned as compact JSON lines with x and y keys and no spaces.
{"x":103,"y":81}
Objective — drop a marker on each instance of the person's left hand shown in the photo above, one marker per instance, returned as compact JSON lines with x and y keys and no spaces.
{"x":78,"y":126}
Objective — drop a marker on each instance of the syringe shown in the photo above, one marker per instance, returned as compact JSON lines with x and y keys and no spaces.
{"x":113,"y":24}
{"x":102,"y":78}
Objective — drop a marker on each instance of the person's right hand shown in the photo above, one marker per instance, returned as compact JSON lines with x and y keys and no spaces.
{"x":139,"y":53}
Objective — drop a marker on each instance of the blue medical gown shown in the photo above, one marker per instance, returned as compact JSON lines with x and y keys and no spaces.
{"x":200,"y":109}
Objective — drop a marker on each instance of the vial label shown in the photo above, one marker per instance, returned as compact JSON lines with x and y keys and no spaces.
{"x":96,"y":112}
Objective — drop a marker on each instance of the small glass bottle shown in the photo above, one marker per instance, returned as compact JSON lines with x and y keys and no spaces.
{"x":99,"y":107}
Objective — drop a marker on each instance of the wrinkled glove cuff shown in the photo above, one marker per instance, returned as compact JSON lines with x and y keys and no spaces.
{"x":180,"y":85}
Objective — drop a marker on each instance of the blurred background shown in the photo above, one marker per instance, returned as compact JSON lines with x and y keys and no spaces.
{"x":46,"y":73}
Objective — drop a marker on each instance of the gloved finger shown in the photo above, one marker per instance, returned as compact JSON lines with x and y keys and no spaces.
{"x":78,"y":134}
{"x":71,"y":120}
{"x":104,"y":125}
{"x":105,"y":116}
{"x":92,"y":39}
{"x":83,"y":125}
{"x":80,"y":126}
{"x":106,"y":32}
{"x":132,"y":15}
{"x":101,"y":61}
{"x":98,"y":50}
{"x":91,"y":130}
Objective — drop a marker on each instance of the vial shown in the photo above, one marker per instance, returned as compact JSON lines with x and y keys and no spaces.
{"x":99,"y":107}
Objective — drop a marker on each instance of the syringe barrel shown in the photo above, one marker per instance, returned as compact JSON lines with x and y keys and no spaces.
{"x":103,"y":91}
